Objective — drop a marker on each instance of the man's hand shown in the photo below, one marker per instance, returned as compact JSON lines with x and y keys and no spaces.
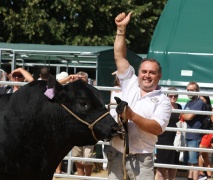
{"x":121,"y":105}
{"x":122,"y":20}
{"x":120,"y":110}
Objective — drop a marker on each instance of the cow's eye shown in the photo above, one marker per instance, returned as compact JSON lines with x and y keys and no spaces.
{"x":84,"y":105}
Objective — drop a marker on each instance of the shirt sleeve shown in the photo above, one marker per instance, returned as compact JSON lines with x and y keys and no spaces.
{"x":127,"y":75}
{"x":162,"y":113}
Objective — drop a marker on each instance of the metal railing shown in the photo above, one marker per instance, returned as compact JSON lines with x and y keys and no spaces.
{"x":70,"y":159}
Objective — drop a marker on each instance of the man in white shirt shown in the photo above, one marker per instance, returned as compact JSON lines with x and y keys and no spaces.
{"x":148,"y":111}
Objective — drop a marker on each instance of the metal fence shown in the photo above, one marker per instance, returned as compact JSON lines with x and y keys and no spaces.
{"x":70,"y":159}
{"x":179,"y":167}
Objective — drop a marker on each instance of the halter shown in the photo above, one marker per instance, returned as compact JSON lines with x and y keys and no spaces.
{"x":90,"y":126}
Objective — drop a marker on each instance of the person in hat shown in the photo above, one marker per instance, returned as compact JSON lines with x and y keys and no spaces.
{"x":64,"y":78}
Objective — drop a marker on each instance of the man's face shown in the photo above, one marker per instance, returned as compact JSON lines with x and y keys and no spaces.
{"x":191,"y":88}
{"x":148,"y":76}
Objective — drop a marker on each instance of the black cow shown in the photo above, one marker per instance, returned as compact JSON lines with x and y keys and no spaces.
{"x":37,"y":131}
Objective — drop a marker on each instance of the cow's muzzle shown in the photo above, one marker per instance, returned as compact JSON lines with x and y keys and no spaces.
{"x":90,"y":126}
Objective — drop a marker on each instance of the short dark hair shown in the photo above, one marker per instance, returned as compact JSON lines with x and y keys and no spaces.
{"x":152,"y":60}
{"x":44,"y":73}
{"x":194,"y":83}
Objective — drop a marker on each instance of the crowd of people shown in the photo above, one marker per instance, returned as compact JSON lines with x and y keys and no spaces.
{"x":148,"y":112}
{"x":193,"y":140}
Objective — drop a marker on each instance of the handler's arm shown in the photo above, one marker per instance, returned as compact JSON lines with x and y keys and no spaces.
{"x":148,"y":125}
{"x":120,"y":44}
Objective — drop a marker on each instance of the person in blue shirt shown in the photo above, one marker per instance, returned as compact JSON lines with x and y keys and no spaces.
{"x":193,"y":121}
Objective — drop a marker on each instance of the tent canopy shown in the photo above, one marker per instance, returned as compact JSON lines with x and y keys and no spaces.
{"x":61,"y":55}
{"x":183,"y":42}
{"x":99,"y":58}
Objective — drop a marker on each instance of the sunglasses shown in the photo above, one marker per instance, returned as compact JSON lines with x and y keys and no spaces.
{"x":173,"y":96}
{"x":18,"y":76}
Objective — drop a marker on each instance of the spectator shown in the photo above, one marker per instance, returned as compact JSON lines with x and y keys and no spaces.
{"x":193,"y":121}
{"x":4,"y":89}
{"x":20,"y":75}
{"x":44,"y":73}
{"x":83,"y":168}
{"x":64,"y":78}
{"x":10,"y":77}
{"x":3,"y":75}
{"x":59,"y":77}
{"x":148,"y":112}
{"x":83,"y":75}
{"x":167,"y":138}
{"x":206,"y":143}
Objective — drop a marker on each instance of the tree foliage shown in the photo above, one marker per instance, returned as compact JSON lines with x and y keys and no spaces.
{"x":75,"y":22}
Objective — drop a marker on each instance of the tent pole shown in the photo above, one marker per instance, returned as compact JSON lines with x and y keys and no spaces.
{"x":13,"y":61}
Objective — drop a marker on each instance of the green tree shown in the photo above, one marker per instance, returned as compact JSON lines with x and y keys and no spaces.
{"x":75,"y":22}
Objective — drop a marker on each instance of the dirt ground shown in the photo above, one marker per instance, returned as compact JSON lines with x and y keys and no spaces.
{"x":181,"y":175}
{"x":97,"y":172}
{"x":102,"y":173}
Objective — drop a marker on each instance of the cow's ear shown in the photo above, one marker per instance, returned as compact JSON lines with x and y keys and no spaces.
{"x":54,"y":88}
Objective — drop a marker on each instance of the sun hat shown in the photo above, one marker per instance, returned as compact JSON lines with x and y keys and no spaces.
{"x":61,"y":75}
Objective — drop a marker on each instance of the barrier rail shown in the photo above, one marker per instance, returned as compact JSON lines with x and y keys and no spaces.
{"x":69,"y":158}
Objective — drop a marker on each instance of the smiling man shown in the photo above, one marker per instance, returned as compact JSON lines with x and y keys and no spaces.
{"x":148,"y":111}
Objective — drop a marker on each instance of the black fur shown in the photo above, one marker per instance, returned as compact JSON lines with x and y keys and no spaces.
{"x":37,"y":132}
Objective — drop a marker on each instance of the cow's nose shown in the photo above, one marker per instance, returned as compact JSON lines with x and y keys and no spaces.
{"x":115,"y":131}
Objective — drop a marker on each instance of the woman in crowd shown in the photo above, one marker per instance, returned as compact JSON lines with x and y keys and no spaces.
{"x":206,"y":142}
{"x":20,"y":75}
{"x":17,"y":75}
{"x":167,"y":138}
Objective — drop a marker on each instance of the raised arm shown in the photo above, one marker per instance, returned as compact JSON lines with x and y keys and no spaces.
{"x":120,"y":44}
{"x":28,"y":77}
{"x":70,"y":78}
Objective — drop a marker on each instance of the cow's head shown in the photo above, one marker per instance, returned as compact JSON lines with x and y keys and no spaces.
{"x":85,"y":103}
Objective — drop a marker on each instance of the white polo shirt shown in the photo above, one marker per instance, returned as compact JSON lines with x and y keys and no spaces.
{"x":153,"y":105}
